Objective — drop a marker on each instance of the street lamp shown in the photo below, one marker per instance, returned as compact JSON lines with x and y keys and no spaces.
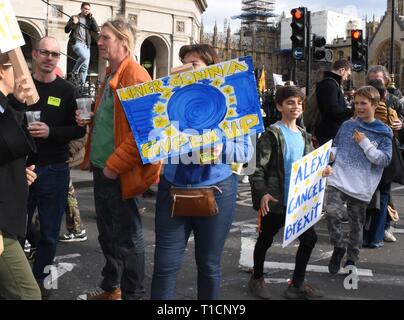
{"x":393,"y":5}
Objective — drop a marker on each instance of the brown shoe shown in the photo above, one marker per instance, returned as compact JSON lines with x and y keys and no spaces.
{"x":99,"y":294}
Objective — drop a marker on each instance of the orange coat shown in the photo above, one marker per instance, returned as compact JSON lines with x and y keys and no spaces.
{"x":135,"y":177}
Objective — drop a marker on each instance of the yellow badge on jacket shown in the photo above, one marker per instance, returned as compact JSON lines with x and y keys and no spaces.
{"x":53,"y":101}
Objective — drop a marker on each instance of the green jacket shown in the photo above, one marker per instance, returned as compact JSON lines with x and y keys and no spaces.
{"x":269,"y":175}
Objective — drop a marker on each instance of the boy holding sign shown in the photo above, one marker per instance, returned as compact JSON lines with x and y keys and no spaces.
{"x":362,"y":148}
{"x":281,"y":145}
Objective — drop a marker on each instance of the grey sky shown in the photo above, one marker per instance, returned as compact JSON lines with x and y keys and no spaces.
{"x":218,"y":10}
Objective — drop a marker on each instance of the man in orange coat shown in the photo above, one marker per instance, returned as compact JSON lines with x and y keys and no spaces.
{"x":119,"y":175}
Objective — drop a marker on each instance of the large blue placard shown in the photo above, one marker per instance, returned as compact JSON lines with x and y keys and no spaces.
{"x":193,"y":110}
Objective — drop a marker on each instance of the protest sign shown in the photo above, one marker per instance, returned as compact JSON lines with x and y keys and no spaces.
{"x":194,"y":109}
{"x":10,"y":33}
{"x":11,"y":40}
{"x":306,"y":193}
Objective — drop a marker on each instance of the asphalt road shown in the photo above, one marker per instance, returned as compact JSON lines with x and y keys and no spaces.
{"x":381,"y":271}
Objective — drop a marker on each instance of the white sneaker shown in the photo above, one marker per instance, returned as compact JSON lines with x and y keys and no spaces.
{"x":27,"y":246}
{"x":389,"y":236}
{"x":74,"y":237}
{"x":245,"y":179}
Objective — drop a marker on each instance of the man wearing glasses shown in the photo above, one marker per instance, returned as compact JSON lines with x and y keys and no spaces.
{"x":80,"y":27}
{"x":52,"y":134}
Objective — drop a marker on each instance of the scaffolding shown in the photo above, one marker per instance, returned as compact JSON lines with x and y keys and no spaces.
{"x":255,"y":14}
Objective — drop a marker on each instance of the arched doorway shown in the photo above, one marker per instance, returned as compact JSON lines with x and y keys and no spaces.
{"x":154,"y":56}
{"x":31,"y":35}
{"x":382,"y":57}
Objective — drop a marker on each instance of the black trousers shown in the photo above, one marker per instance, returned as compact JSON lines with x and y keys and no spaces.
{"x":121,"y":238}
{"x":270,"y":225}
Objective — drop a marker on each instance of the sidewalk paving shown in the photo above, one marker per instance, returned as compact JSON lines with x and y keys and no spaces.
{"x":81,"y":178}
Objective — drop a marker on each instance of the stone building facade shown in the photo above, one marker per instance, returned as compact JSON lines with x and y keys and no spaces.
{"x":162,"y":27}
{"x":262,"y":46}
{"x":379,"y":44}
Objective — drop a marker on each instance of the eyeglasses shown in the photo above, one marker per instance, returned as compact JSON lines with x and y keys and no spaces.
{"x":46,"y":53}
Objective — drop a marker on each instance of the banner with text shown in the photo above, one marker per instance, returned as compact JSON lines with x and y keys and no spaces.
{"x":10,"y":33}
{"x":192,"y":110}
{"x":306,"y":193}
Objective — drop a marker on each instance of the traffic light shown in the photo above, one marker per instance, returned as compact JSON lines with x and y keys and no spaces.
{"x":359,"y":53}
{"x":299,"y":31}
{"x":320,"y":53}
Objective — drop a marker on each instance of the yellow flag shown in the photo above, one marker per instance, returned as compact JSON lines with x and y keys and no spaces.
{"x":261,"y":82}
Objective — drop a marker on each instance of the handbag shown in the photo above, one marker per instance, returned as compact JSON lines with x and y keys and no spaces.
{"x":194,"y":202}
{"x":393,"y":213}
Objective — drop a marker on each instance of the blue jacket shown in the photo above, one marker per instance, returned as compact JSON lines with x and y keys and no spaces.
{"x":195,"y":175}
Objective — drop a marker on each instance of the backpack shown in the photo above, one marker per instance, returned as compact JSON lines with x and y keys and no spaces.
{"x":311,"y":111}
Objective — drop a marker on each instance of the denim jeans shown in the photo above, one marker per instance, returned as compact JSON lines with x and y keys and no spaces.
{"x":83,"y":60}
{"x":172,"y":235}
{"x":378,"y":224}
{"x":49,"y":194}
{"x":121,"y":238}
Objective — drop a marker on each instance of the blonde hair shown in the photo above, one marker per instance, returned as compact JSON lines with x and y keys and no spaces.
{"x":124,"y":31}
{"x":369,"y":93}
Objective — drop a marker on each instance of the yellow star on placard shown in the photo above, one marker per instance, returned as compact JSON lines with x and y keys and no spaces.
{"x":314,"y":154}
{"x":217,"y":82}
{"x":295,"y":168}
{"x":160,"y":122}
{"x":166,"y":94}
{"x":232,"y":100}
{"x":231,"y":112}
{"x":296,"y":190}
{"x":159,"y":108}
{"x":324,"y":147}
{"x":305,"y":207}
{"x":228,"y":90}
{"x":315,"y":199}
{"x":307,"y":182}
{"x":294,"y":216}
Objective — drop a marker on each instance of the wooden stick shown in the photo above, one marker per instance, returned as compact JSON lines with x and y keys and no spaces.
{"x":183,"y":68}
{"x":20,"y":68}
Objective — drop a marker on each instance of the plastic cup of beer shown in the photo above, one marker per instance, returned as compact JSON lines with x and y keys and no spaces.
{"x":33,"y":116}
{"x":84,"y":107}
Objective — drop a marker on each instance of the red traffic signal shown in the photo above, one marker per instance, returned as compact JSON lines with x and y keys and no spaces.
{"x":358,"y":50}
{"x":356,"y":35}
{"x":299,"y":32}
{"x":297,"y":14}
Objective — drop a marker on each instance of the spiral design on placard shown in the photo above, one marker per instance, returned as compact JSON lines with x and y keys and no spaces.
{"x":197,"y":106}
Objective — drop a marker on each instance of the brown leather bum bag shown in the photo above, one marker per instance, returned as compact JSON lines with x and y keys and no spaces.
{"x":194,"y":202}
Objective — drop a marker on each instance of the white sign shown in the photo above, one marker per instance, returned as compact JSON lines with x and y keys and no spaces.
{"x":306,"y":193}
{"x":278,"y":80}
{"x":10,"y":33}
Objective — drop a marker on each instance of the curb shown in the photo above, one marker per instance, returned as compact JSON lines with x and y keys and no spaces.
{"x":82,"y":184}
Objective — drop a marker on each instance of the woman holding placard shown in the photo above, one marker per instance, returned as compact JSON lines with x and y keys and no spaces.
{"x":197,"y":196}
